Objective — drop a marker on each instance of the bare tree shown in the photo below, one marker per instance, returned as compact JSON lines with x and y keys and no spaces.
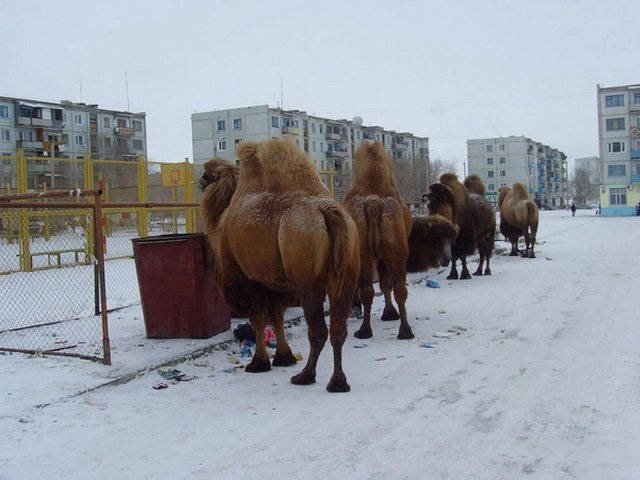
{"x":584,"y":191}
{"x":438,"y":167}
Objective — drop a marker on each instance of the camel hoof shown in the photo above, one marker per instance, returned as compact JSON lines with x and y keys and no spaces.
{"x":487,"y":272}
{"x":363,"y":333}
{"x":513,"y":254}
{"x":284,"y":360}
{"x":405,"y":334}
{"x":532,"y":255}
{"x":452,"y":276}
{"x":338,"y":384}
{"x":257,"y":366}
{"x":477,"y":273}
{"x":304,"y":378}
{"x":390,"y":314}
{"x":465,"y":276}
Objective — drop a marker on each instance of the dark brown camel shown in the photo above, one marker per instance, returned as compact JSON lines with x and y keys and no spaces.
{"x":383,"y":224}
{"x":278,"y":236}
{"x":520,"y":216}
{"x":484,"y":220}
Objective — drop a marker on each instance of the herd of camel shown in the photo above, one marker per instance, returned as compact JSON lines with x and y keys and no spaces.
{"x":279,"y":239}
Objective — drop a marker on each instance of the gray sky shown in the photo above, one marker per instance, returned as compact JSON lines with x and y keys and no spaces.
{"x":446,"y":70}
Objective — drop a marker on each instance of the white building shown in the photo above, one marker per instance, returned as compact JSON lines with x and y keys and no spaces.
{"x":590,"y":164}
{"x":619,"y":141}
{"x":506,"y":160}
{"x":330,"y":143}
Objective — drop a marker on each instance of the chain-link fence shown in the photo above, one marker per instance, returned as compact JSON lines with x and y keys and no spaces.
{"x":50,"y":277}
{"x":51,"y":274}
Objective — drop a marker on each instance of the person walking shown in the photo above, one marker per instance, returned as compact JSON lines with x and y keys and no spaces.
{"x":573,"y":209}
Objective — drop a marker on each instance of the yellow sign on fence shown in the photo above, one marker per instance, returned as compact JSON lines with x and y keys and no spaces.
{"x":173,"y":174}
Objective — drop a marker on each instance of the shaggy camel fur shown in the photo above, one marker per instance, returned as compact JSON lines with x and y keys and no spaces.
{"x":518,"y":216}
{"x":450,"y":199}
{"x":278,"y":236}
{"x":383,"y":224}
{"x":484,"y":221}
{"x":430,"y":243}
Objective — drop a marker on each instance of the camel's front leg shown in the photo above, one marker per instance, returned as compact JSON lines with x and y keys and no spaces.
{"x":464,"y":273}
{"x":260,"y":361}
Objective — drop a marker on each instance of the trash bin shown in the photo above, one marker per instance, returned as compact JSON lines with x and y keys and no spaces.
{"x":177,"y":287}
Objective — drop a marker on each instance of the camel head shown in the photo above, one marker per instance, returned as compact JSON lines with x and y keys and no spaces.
{"x":218,"y":184}
{"x":440,"y":200}
{"x":431,"y":242}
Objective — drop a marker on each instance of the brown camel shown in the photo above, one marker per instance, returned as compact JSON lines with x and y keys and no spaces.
{"x":450,"y":198}
{"x":384,"y":224}
{"x":484,"y":221}
{"x":278,"y":237}
{"x":518,"y":216}
{"x":430,"y":243}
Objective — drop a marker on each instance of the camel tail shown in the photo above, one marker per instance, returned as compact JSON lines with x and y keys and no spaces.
{"x":344,"y":259}
{"x":373,"y":209}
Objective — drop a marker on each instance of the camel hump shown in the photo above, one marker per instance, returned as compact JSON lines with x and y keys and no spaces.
{"x":474,"y":184}
{"x":519,"y":191}
{"x":344,"y":266}
{"x":247,"y":150}
{"x":448,"y":178}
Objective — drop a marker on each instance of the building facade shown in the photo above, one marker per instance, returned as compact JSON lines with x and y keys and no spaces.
{"x":507,"y":160}
{"x":619,"y":142}
{"x":65,"y":130}
{"x":330,"y":143}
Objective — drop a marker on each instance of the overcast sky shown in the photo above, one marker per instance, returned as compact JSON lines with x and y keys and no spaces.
{"x":447,"y":70}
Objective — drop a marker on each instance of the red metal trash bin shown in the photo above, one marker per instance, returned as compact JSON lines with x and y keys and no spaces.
{"x":177,"y":287}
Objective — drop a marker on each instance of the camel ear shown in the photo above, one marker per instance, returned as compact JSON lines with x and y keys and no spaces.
{"x":247,"y":150}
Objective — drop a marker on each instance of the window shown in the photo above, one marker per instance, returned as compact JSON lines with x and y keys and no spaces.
{"x":106,"y":122}
{"x":313,"y":146}
{"x":237,"y":124}
{"x":77,"y":119}
{"x":618,"y":196}
{"x":221,"y":125}
{"x":313,"y":128}
{"x":5,"y":135}
{"x":503,"y":173}
{"x":490,"y":161}
{"x":4,"y":111}
{"x":222,"y":145}
{"x":615,"y":123}
{"x":79,"y":140}
{"x":322,"y":146}
{"x":321,"y":127}
{"x":137,"y":125}
{"x":501,"y":147}
{"x":491,"y":187}
{"x":275,"y":122}
{"x":489,"y":148}
{"x":490,"y":174}
{"x":636,"y":97}
{"x":107,"y":142}
{"x":614,"y":100}
{"x":137,"y":144}
{"x":236,"y":142}
{"x":503,"y":160}
{"x":617,"y":147}
{"x":617,"y":170}
{"x":637,"y":121}
{"x":122,"y":122}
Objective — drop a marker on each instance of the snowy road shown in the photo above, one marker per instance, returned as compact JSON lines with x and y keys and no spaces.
{"x":543,"y":382}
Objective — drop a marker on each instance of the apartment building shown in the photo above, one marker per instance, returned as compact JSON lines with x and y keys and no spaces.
{"x":506,"y":160}
{"x":330,"y":143}
{"x":619,"y":142}
{"x":65,"y":130}
{"x":591,"y":165}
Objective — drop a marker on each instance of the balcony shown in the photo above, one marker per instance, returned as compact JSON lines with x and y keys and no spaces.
{"x":635,"y":179}
{"x":400,"y":146}
{"x":124,"y":131}
{"x":333,"y":136}
{"x":25,"y":144}
{"x":423,"y":150}
{"x":290,"y":130}
{"x":635,"y":154}
{"x":332,"y":153}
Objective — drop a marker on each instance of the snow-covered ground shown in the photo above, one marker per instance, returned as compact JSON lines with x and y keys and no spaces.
{"x":539,"y":379}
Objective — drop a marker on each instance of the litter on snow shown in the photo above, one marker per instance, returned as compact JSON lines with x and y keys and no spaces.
{"x":432,"y":283}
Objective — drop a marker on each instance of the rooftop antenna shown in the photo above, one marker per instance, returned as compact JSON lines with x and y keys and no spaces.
{"x":81,"y":89}
{"x":281,"y":93}
{"x":496,"y":128}
{"x":126,"y":85}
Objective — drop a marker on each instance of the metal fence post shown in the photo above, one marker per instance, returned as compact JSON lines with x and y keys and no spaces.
{"x":142,"y":215}
{"x":25,"y":251}
{"x":190,"y":214}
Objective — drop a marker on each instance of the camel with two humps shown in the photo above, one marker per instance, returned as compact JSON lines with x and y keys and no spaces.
{"x":519,"y":216}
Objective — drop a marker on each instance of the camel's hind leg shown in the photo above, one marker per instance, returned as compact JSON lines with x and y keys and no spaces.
{"x":339,"y":312}
{"x":313,"y":306}
{"x":283,"y":356}
{"x":464,"y":271}
{"x":453,"y":274}
{"x":366,"y":296}
{"x":386,"y":285}
{"x":260,"y":361}
{"x":400,"y":294}
{"x":480,"y":265}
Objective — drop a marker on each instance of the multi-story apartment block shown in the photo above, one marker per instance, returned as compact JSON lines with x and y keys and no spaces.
{"x":591,"y":165}
{"x":330,"y":143}
{"x":506,"y":160}
{"x":619,"y":140}
{"x":65,"y":130}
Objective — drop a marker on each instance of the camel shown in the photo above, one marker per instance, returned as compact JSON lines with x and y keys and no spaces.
{"x":520,"y":216}
{"x":384,"y":224}
{"x":279,"y":238}
{"x":430,"y":243}
{"x":450,"y":198}
{"x":484,"y":218}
